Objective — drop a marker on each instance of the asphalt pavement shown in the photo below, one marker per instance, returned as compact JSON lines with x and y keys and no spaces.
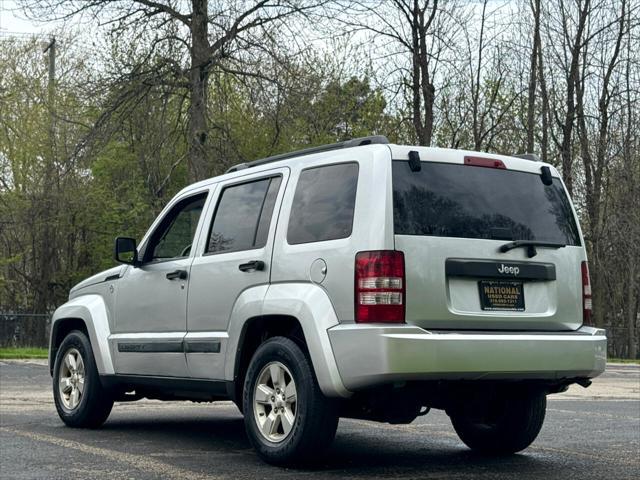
{"x":589,"y":433}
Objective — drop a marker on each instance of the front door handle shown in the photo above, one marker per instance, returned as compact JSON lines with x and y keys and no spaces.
{"x":181,"y":274}
{"x":251,"y":266}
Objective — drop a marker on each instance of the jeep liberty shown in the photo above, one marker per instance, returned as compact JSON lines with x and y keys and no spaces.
{"x":359,"y":279}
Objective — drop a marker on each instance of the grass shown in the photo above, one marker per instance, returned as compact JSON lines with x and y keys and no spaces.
{"x":22,"y":353}
{"x":624,"y":360}
{"x":19,"y":353}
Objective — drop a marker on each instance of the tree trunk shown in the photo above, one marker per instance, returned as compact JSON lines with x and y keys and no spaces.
{"x":630,"y":157}
{"x":428,"y":89}
{"x":593,"y":204}
{"x":418,"y":127}
{"x":603,"y":130}
{"x":416,"y":106}
{"x":531,"y":97}
{"x":198,"y":165}
{"x":475,"y":86}
{"x":422,"y":89}
{"x":572,"y":77}
{"x":544,"y":140}
{"x":631,"y":309}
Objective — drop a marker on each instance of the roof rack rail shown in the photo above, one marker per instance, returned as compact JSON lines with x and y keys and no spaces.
{"x":354,"y":142}
{"x":528,"y":156}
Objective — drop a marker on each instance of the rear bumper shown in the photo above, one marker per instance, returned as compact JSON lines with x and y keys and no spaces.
{"x":370,"y":355}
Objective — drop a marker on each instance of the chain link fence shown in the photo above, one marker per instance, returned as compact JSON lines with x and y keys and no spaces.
{"x":24,"y":330}
{"x":618,"y":341}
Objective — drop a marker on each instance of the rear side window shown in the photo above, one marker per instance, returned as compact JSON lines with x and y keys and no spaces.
{"x":243,"y":216}
{"x":323,"y":204}
{"x":451,"y":200}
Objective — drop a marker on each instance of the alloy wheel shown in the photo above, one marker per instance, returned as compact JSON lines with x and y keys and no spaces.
{"x":71,"y":379}
{"x":275,"y":402}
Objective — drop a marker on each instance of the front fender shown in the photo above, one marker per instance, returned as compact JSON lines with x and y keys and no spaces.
{"x":308,"y":303}
{"x":92,"y":310}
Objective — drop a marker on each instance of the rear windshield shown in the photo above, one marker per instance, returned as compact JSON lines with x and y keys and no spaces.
{"x":451,"y":200}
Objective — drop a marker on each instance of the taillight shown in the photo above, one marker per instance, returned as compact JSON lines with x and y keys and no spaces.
{"x":379,"y":287}
{"x":587,"y":305}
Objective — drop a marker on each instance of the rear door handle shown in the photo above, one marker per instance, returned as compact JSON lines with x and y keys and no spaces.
{"x":251,"y":266}
{"x":181,"y":274}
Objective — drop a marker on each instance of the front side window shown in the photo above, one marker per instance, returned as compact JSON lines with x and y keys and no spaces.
{"x":243,"y":216}
{"x":174,"y":235}
{"x":323,"y":204}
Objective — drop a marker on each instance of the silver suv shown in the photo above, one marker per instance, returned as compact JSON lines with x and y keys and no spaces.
{"x":359,"y":279}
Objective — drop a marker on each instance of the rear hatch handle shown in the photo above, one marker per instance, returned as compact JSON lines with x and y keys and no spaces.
{"x":530,"y":246}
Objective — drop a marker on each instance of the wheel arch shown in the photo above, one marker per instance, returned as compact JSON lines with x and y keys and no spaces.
{"x":87,"y":313}
{"x":257,"y":330}
{"x":59,"y":330}
{"x":301,"y":311}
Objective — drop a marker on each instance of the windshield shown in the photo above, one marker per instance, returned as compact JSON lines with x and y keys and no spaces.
{"x":452,"y":200}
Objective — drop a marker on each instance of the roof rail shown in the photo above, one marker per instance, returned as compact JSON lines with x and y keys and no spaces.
{"x":528,"y":156}
{"x":354,"y":142}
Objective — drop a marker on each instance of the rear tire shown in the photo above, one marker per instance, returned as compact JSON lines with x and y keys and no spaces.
{"x":308,"y":423}
{"x":81,"y":400}
{"x":508,"y":431}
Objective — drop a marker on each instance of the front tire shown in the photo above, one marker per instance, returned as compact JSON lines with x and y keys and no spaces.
{"x":287,"y":418}
{"x":80,"y":399}
{"x":511,"y":428}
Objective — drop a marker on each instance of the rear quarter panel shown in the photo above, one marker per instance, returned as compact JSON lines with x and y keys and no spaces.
{"x":372,"y":227}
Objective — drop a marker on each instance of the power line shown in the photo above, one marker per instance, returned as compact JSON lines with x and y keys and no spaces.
{"x":6,"y":34}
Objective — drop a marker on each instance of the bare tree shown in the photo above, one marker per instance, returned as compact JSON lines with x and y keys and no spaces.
{"x":423,"y":91}
{"x":574,"y":43}
{"x":594,"y":167}
{"x":492,"y":95}
{"x":214,"y":35}
{"x":631,"y":163}
{"x":476,"y":82}
{"x":595,"y":148}
{"x":209,"y":83}
{"x":545,"y":110}
{"x":415,"y":29}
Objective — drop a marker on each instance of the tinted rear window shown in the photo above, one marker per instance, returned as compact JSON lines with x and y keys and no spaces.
{"x":451,"y":200}
{"x":323,"y":204}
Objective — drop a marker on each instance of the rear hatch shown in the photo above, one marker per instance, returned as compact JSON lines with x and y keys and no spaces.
{"x":451,"y":219}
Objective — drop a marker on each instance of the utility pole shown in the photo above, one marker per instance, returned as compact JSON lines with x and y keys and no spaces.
{"x":49,"y":187}
{"x":51,"y":49}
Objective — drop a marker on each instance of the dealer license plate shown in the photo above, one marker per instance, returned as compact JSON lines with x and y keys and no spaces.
{"x":501,"y":295}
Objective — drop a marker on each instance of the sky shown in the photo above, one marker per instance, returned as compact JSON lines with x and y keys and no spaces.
{"x":14,"y":22}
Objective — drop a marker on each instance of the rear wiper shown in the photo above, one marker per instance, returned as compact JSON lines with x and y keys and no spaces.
{"x":531,"y":246}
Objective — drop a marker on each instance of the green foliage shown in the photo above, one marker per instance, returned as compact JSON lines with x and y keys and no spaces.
{"x":116,"y":152}
{"x":253,"y":120}
{"x":103,"y":155}
{"x":635,"y":361}
{"x":115,"y":201}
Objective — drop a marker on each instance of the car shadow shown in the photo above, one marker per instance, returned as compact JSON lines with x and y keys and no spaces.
{"x":371,"y":452}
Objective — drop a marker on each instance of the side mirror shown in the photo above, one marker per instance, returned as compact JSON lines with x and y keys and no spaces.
{"x":125,"y":251}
